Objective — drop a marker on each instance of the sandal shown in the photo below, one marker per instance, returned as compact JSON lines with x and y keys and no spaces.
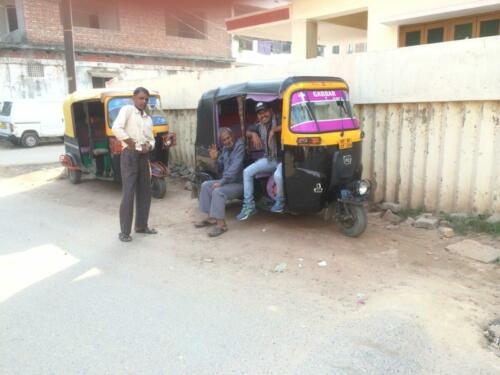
{"x":124,"y":237}
{"x":204,"y":223}
{"x":146,"y":231}
{"x":217,"y":231}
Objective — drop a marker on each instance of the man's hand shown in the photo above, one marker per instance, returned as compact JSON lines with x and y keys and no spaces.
{"x":216,"y":185}
{"x":130,"y":144}
{"x":256,"y":141}
{"x":271,"y":137}
{"x":213,"y":152}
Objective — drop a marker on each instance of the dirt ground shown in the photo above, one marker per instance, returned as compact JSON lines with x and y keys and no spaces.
{"x":403,"y":268}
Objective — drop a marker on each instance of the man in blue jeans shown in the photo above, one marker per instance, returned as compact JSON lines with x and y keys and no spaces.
{"x":264,"y":135}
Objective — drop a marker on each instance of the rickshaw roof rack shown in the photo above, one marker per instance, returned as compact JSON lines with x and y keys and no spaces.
{"x":274,"y":87}
{"x":101,"y":94}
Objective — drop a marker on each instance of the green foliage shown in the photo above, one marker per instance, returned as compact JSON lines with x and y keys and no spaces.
{"x":473,"y":224}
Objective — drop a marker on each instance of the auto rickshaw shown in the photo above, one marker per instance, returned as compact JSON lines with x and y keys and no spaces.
{"x":321,"y":142}
{"x":91,"y":148}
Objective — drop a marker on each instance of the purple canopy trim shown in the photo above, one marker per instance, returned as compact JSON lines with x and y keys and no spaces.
{"x":325,"y":126}
{"x":318,"y":96}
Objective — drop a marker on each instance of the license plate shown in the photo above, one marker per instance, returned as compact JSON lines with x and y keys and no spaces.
{"x":345,"y":143}
{"x":3,"y":125}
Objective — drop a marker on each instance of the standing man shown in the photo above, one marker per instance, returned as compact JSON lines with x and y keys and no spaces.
{"x":215,"y":193}
{"x":134,"y":128}
{"x":263,"y":135}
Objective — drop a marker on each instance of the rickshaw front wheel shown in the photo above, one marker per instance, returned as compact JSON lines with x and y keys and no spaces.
{"x":352,"y":221}
{"x":75,"y":176}
{"x":158,"y":187}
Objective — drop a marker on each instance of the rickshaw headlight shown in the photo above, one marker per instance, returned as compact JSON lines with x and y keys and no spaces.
{"x":363,"y":187}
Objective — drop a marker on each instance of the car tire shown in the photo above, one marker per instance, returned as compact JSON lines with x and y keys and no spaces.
{"x":30,"y":139}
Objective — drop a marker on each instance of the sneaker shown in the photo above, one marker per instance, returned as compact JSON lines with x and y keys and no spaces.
{"x":246,"y":212}
{"x":278,"y":207}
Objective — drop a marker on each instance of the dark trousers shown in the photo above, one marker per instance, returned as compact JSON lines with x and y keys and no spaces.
{"x":136,"y":180}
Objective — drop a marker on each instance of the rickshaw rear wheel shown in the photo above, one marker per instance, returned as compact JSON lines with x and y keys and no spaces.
{"x":158,"y":187}
{"x":75,"y":176}
{"x":353,"y":222}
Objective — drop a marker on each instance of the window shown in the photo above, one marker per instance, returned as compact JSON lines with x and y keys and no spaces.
{"x":321,"y":111}
{"x":35,"y":70}
{"x":8,"y":16}
{"x":453,"y":29}
{"x":100,"y":82}
{"x":95,"y":15}
{"x":12,"y":18}
{"x":336,"y":50}
{"x":245,"y":44}
{"x":360,"y":47}
{"x":192,"y":25}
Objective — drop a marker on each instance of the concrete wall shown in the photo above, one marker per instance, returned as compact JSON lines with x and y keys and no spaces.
{"x":431,"y":115}
{"x":16,"y":83}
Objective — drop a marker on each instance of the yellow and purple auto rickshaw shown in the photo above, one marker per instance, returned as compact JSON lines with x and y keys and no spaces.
{"x":321,"y":143}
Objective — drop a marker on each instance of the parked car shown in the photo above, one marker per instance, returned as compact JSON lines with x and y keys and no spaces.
{"x":28,"y":121}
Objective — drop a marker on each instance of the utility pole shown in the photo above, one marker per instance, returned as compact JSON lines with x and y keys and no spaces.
{"x":69,"y":50}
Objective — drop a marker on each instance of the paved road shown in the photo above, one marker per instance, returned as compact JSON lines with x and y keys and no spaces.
{"x":74,"y":300}
{"x":43,"y":154}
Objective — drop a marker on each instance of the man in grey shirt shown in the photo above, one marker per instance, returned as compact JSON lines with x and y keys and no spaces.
{"x":215,"y":193}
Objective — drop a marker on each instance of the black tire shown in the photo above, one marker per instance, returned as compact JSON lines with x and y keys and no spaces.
{"x":75,"y":176}
{"x":30,"y":139}
{"x":15,"y":141}
{"x":158,"y":187}
{"x":354,"y":223}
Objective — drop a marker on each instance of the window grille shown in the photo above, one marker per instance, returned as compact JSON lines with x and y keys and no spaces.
{"x":35,"y":70}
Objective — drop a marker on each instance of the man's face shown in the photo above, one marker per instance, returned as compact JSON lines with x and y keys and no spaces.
{"x":141,"y":100}
{"x":227,"y":139}
{"x":264,"y":116}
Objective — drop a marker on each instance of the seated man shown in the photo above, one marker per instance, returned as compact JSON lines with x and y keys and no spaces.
{"x":263,"y":135}
{"x":215,"y":193}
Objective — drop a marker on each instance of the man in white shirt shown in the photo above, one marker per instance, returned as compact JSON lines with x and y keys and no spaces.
{"x":134,"y":128}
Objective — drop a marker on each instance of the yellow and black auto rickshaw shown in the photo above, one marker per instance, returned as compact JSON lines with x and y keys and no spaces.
{"x":90,"y":145}
{"x":321,"y":143}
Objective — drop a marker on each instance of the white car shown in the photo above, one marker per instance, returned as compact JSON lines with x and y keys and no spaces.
{"x":26,"y":121}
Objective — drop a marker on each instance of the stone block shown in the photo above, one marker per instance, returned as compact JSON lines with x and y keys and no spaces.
{"x":394,"y":207}
{"x":427,"y":222}
{"x":446,"y":232}
{"x":493,"y":219}
{"x":475,"y":250}
{"x":391,"y":217}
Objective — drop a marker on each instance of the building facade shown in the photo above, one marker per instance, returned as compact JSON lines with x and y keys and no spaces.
{"x":113,"y":40}
{"x":352,"y":26}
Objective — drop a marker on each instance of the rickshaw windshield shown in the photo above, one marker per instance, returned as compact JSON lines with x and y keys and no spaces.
{"x":153,"y":109}
{"x":321,"y":111}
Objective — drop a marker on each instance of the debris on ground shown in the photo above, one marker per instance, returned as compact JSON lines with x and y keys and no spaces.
{"x":281,"y":267}
{"x":492,"y":333}
{"x":391,"y":217}
{"x":475,"y":250}
{"x":394,"y":207}
{"x":446,"y":232}
{"x":322,"y":263}
{"x":493,"y":219}
{"x":188,"y":186}
{"x":208,"y":260}
{"x":445,"y":223}
{"x":409,"y":222}
{"x":427,"y":222}
{"x":361,"y":298}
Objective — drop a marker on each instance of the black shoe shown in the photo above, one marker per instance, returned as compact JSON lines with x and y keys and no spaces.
{"x":124,"y":237}
{"x":146,"y":231}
